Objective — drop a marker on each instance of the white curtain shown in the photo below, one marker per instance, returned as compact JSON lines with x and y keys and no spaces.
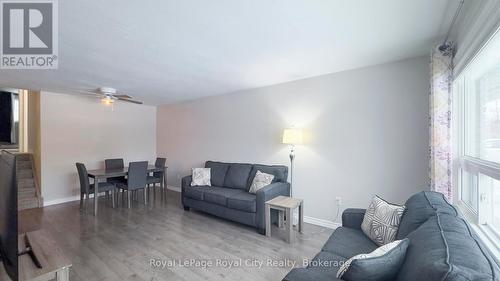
{"x":440,"y":123}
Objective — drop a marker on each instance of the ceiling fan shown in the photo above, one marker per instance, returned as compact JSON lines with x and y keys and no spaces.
{"x":108,"y":96}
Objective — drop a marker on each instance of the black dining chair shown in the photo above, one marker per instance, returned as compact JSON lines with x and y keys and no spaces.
{"x":137,"y":179}
{"x":86,"y":188}
{"x":157,"y":177}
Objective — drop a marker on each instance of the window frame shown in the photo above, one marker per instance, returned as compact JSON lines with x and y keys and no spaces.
{"x":478,"y":218}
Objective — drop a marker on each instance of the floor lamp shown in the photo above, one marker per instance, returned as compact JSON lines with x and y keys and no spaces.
{"x":292,"y":136}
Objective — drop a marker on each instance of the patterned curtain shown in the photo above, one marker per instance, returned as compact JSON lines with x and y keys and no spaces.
{"x":440,"y":122}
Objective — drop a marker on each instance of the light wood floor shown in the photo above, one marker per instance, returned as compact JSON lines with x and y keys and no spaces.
{"x":119,"y":243}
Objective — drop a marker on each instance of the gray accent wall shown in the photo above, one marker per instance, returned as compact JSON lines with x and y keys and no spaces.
{"x":367,"y":134}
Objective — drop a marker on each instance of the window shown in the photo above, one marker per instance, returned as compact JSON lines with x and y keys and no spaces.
{"x":492,"y":204}
{"x":477,"y":93}
{"x":469,"y":194}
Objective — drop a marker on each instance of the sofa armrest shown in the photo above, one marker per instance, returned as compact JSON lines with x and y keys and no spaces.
{"x":353,"y":218}
{"x":267,"y":193}
{"x":186,"y":181}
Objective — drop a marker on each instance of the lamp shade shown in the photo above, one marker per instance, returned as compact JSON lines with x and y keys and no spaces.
{"x":293,"y":136}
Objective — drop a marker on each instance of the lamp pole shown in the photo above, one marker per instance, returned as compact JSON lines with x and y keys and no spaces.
{"x":292,"y":136}
{"x":292,"y":157}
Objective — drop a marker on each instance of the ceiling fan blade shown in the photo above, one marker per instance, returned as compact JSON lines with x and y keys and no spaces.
{"x":129,"y":100}
{"x":123,"y":96}
{"x":88,"y":93}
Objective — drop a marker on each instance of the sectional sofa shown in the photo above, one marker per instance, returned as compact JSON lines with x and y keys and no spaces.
{"x":442,"y":246}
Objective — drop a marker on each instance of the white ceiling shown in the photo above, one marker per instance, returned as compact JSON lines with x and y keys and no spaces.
{"x":165,"y":51}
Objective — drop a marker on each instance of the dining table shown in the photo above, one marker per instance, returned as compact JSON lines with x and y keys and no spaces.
{"x":101,"y":174}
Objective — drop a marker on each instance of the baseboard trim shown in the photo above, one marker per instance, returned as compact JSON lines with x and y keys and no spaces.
{"x":321,"y":222}
{"x":60,"y":201}
{"x":174,"y":188}
{"x":66,"y":200}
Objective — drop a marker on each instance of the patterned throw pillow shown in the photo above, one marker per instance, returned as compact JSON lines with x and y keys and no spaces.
{"x":259,"y":181}
{"x":201,"y":177}
{"x":381,"y":221}
{"x":380,"y":265}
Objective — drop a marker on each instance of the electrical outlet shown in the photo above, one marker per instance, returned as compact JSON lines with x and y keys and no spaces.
{"x":338,"y":200}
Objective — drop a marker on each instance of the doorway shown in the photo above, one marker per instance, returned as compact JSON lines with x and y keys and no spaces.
{"x":9,"y":120}
{"x":14,"y":118}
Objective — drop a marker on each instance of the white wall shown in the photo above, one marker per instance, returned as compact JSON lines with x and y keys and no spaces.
{"x":367,"y":129}
{"x":81,"y":129}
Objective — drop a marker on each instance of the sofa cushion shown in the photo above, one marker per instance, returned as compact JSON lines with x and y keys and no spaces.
{"x":307,"y":274}
{"x":380,"y":265}
{"x":243,"y":201}
{"x":259,"y":181}
{"x":439,"y":202}
{"x":279,"y":172}
{"x":421,"y":207}
{"x":327,"y":262}
{"x":201,"y":177}
{"x":323,"y":267}
{"x":348,"y":242}
{"x":382,"y":220}
{"x":443,"y":248}
{"x":218,"y":195}
{"x":218,"y":172}
{"x":237,"y":176}
{"x":195,"y":192}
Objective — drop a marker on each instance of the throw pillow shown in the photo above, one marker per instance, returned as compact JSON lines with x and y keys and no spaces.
{"x":201,"y":177}
{"x":259,"y":181}
{"x":380,"y":265}
{"x":381,"y":221}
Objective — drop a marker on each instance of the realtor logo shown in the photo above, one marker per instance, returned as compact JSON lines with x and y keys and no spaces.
{"x":29,"y":34}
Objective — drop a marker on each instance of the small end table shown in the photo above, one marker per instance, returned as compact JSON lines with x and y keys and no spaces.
{"x":285,"y":205}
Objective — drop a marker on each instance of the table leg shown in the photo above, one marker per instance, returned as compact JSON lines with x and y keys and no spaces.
{"x":289,"y":226}
{"x":164,"y":183}
{"x":63,"y":274}
{"x":96,"y":192}
{"x":268,"y":220}
{"x":128,"y":198}
{"x":301,"y":217}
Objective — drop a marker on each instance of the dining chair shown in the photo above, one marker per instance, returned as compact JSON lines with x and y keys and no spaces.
{"x":157,"y":177}
{"x":116,"y":163}
{"x":137,"y":179}
{"x":86,"y":188}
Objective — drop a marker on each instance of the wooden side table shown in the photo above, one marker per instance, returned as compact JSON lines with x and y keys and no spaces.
{"x":55,"y":264}
{"x":285,"y":205}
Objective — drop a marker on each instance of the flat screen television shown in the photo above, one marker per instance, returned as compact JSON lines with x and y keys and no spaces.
{"x":8,"y":215}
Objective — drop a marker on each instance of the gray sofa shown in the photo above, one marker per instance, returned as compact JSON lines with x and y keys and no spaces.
{"x":228,"y":196}
{"x":442,"y":246}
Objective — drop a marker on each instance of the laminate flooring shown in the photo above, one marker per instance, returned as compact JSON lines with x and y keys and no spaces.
{"x":161,"y":241}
